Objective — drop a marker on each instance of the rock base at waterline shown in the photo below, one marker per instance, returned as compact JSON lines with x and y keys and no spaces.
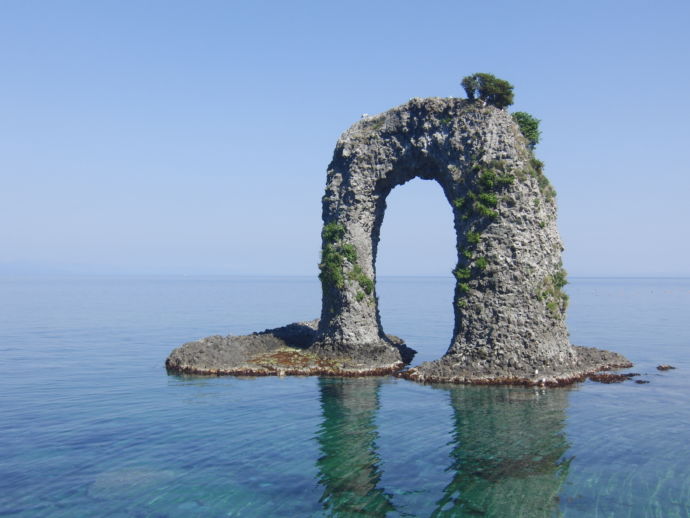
{"x":288,"y":350}
{"x":580,"y":363}
{"x":292,"y":351}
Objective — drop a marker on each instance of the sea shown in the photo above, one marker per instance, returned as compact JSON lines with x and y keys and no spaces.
{"x":92,"y":425}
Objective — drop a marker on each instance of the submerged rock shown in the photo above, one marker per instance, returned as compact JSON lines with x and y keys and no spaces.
{"x":509,"y":303}
{"x":665,"y":367}
{"x":607,"y":377}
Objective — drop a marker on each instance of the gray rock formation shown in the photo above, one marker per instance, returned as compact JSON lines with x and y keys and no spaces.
{"x":509,"y":304}
{"x":281,"y":351}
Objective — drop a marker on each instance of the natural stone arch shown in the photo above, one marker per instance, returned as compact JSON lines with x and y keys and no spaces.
{"x":509,"y":305}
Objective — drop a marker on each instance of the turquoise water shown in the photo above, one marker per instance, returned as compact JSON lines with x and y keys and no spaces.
{"x":93,"y":426}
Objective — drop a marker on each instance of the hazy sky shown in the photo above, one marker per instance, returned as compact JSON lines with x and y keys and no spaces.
{"x":194,"y":137}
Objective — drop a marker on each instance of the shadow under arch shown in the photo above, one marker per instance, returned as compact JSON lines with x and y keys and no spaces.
{"x":349,"y":464}
{"x":509,"y":452}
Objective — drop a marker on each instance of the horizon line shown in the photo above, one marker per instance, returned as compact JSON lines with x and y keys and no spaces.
{"x":314,"y":276}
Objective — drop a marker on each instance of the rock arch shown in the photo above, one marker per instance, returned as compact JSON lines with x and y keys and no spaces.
{"x":509,"y":305}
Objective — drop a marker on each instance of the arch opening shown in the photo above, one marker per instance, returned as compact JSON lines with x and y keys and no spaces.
{"x":414,"y":260}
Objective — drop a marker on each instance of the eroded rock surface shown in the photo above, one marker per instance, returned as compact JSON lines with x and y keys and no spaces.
{"x":281,"y":351}
{"x":509,"y":302}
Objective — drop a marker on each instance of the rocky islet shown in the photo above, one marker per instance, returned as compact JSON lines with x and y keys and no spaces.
{"x":509,"y":302}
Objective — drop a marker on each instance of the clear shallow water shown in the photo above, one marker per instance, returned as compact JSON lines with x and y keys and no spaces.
{"x":93,"y":426}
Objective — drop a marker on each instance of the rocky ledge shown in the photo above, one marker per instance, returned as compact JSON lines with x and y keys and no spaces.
{"x":284,"y":351}
{"x":288,"y":351}
{"x":579,"y":364}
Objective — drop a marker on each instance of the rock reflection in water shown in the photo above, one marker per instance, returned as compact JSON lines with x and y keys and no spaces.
{"x":349,"y":464}
{"x":509,"y":452}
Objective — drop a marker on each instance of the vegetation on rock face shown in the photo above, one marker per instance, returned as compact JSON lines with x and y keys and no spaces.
{"x":473,"y":237}
{"x":462,"y":274}
{"x":489,"y":89}
{"x":357,"y":274}
{"x":333,"y":257}
{"x":498,"y":92}
{"x":536,"y":169}
{"x":484,"y":186}
{"x":481,"y":263}
{"x":331,"y":267}
{"x":552,"y":294}
{"x":529,"y":127}
{"x":482,"y":198}
{"x":349,"y":252}
{"x":332,"y":232}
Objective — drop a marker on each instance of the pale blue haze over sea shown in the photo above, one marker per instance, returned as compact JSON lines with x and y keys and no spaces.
{"x":93,"y":426}
{"x":171,"y":136}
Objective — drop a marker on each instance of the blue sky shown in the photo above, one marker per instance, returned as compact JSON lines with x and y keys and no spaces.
{"x":194,"y":137}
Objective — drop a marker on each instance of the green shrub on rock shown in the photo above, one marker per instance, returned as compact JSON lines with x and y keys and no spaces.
{"x":357,"y":274}
{"x":334,"y":256}
{"x":462,"y":274}
{"x":529,"y":127}
{"x":331,"y":267}
{"x":332,"y":232}
{"x":489,"y":89}
{"x":552,"y":294}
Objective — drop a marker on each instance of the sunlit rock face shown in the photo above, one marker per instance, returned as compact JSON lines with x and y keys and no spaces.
{"x":509,"y":305}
